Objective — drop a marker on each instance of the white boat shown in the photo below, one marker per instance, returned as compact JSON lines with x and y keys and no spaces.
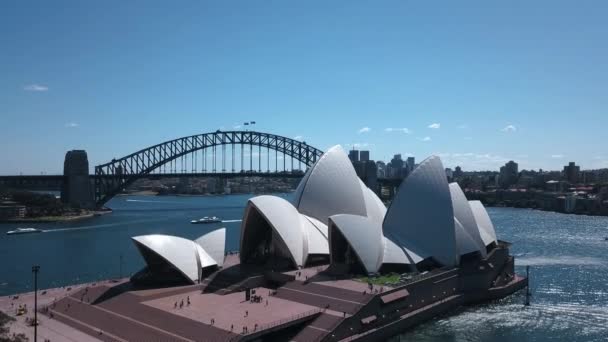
{"x":23,"y":231}
{"x":207,"y":219}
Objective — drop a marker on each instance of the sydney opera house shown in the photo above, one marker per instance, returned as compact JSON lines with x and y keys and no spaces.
{"x":316,"y":256}
{"x":333,"y":218}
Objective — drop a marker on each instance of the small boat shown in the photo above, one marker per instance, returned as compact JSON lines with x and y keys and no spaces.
{"x":207,"y":219}
{"x":23,"y":231}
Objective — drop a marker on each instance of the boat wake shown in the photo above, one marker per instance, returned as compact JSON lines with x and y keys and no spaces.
{"x":99,"y":226}
{"x":230,"y":221}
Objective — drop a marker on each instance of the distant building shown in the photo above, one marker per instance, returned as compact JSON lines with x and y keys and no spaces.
{"x":364,"y":156}
{"x":410,"y":164}
{"x":508,"y":174}
{"x":571,"y":172}
{"x":380,"y":169}
{"x":353,"y":155}
{"x":457,"y":172}
{"x":10,"y":210}
{"x":449,"y":173}
{"x":396,"y":167}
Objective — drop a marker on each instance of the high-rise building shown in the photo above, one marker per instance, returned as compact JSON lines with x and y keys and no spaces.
{"x":571,"y":172}
{"x":364,"y":156}
{"x":366,"y":169}
{"x":411,"y":164}
{"x":381,"y":169}
{"x":508,"y":174}
{"x":353,"y":155}
{"x":397,"y":164}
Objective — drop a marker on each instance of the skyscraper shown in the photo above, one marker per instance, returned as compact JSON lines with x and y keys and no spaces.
{"x":353,"y":155}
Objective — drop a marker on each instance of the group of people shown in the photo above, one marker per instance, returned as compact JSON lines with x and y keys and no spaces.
{"x":373,"y":290}
{"x":181,"y":303}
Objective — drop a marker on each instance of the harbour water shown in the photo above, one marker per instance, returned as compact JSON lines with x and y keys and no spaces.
{"x":567,"y":254}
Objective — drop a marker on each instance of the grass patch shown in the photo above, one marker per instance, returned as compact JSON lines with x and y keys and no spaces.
{"x":385,"y":279}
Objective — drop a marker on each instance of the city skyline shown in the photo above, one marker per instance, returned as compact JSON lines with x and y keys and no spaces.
{"x":476,"y":84}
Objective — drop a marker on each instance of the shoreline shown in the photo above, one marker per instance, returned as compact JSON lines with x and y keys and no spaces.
{"x":48,"y":219}
{"x":546,"y":210}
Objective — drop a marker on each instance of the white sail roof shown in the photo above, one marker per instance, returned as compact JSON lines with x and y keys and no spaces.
{"x":317,"y":235}
{"x":396,"y":254}
{"x":214,"y":245}
{"x":421,"y":218}
{"x":464,"y":215}
{"x":464,"y":243}
{"x":365,"y":238}
{"x":285,"y":220}
{"x":330,"y":187}
{"x":183,"y":254}
{"x":486,"y":228}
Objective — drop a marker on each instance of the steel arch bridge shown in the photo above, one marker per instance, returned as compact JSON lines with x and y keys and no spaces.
{"x":186,"y":156}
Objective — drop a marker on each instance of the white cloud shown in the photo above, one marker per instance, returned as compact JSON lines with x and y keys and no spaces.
{"x":35,"y":87}
{"x":365,"y":130}
{"x":557,"y":156}
{"x":71,"y":125}
{"x":403,"y":129}
{"x":425,"y":139}
{"x":298,"y":137}
{"x":463,"y":126}
{"x":509,"y":128}
{"x":435,"y":125}
{"x":358,"y":145}
{"x":237,"y":126}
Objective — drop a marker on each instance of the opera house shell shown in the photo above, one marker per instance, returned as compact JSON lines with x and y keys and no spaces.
{"x":294,"y":233}
{"x":175,"y":259}
{"x":429,"y":223}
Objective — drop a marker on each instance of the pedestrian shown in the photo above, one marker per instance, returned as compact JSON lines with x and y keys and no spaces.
{"x":175,"y":305}
{"x":246,"y":313}
{"x":344,"y":313}
{"x":231,"y":327}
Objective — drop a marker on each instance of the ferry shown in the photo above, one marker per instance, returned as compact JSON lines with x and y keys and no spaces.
{"x":207,"y":219}
{"x":23,"y":231}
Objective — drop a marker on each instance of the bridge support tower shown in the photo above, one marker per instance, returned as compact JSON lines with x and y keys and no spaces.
{"x":77,"y":189}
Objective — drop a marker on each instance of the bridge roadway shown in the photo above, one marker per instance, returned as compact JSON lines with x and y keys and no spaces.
{"x":55,"y":182}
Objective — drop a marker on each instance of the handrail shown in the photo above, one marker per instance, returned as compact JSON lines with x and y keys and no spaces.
{"x":282,"y":321}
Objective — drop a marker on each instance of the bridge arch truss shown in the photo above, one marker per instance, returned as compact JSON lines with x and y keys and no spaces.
{"x":202,"y":151}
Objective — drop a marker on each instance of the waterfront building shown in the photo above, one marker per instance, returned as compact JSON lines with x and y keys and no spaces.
{"x":300,"y":262}
{"x":11,"y":210}
{"x":571,"y":172}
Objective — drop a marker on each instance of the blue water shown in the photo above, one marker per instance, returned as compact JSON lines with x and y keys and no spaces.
{"x":567,"y":254}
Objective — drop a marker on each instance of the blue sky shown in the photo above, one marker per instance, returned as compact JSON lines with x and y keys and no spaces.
{"x":476,"y":82}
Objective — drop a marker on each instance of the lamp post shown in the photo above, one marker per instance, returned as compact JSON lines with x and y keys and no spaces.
{"x":35,"y":270}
